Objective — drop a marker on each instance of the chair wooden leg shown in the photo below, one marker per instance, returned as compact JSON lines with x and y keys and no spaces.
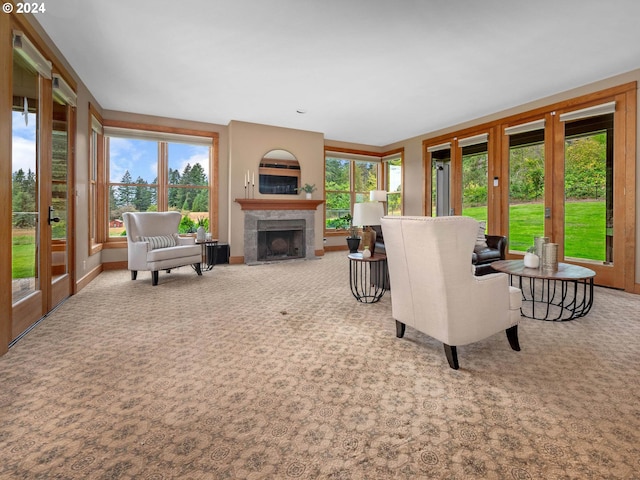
{"x":154,"y":278}
{"x":400,"y":328}
{"x":198,"y":268}
{"x":452,"y":356}
{"x":512,"y":335}
{"x":134,"y":274}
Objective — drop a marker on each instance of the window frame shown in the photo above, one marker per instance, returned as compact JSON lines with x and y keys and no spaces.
{"x":387,"y":158}
{"x":354,"y":156}
{"x":163,"y":136}
{"x":96,"y":171}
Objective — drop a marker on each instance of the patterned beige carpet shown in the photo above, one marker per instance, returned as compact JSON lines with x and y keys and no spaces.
{"x":276,"y":372}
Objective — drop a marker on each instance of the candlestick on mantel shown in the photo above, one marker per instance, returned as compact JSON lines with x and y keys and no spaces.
{"x":253,"y":178}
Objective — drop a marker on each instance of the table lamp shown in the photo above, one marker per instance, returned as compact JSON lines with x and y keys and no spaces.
{"x":365,"y":215}
{"x":379,"y":196}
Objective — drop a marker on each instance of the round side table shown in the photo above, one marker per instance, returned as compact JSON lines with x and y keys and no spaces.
{"x":367,"y":277}
{"x":558,"y":295}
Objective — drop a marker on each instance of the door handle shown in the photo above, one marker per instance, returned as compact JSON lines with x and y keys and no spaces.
{"x":51,"y":217}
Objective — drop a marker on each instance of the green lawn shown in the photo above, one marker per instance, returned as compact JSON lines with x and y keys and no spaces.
{"x":24,"y":254}
{"x":584,"y":227}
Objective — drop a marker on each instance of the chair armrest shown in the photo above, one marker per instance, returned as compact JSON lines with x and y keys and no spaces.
{"x":137,"y":255}
{"x":497,"y":242}
{"x":185,"y":241}
{"x":499,"y":283}
{"x":139,"y":248}
{"x":491,"y":295}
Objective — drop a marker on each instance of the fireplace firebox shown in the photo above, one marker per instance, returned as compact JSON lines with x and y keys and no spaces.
{"x":281,"y":239}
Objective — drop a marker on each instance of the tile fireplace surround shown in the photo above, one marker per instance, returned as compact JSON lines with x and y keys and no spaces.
{"x":273,"y":210}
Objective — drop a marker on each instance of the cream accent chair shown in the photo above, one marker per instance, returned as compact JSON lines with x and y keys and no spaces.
{"x":154,"y":244}
{"x":435,"y":290}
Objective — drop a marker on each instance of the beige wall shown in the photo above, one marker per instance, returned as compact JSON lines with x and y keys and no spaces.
{"x":248,"y":142}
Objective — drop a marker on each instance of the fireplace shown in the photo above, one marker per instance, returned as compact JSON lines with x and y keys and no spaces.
{"x":278,"y":230}
{"x":281,"y":239}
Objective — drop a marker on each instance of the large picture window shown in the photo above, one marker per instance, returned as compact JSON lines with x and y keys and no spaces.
{"x":348,"y":180}
{"x":153,"y":171}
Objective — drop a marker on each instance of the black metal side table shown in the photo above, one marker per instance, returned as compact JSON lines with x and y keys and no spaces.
{"x":365,"y":276}
{"x":209,"y":248}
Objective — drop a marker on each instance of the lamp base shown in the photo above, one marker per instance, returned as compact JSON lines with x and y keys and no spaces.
{"x":369,"y":239}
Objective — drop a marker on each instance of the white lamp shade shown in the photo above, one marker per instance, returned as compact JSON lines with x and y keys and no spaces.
{"x":367,"y":214}
{"x":378,"y":195}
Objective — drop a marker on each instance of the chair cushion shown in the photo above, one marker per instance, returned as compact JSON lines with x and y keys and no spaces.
{"x":160,"y":241}
{"x":178,"y":251}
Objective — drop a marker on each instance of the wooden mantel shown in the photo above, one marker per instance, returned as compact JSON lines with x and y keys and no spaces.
{"x":272,"y":204}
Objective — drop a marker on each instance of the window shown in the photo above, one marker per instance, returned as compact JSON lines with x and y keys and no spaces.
{"x":156,"y":171}
{"x":96,"y":167}
{"x":393,"y":183}
{"x":348,"y":180}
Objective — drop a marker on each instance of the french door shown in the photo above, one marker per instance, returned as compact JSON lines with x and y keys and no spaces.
{"x":588,"y":220}
{"x":41,"y":240}
{"x":567,"y":176}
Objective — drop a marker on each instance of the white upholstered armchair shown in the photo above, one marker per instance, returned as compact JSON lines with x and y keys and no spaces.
{"x":435,"y":290}
{"x":154,"y":244}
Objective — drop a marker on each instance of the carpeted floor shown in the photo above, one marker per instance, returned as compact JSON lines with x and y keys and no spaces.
{"x":276,"y":372}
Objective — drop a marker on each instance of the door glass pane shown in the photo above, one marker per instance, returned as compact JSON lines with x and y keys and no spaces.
{"x":24,"y":185}
{"x":588,"y":229}
{"x":59,"y":191}
{"x":441,"y":183}
{"x":475,"y":178}
{"x":526,"y":189}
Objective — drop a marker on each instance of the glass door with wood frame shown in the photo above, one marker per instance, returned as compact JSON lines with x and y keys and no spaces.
{"x":593,"y":190}
{"x":526,"y":161}
{"x":40,"y":195}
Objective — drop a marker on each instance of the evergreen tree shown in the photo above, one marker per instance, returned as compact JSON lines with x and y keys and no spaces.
{"x":142,"y":198}
{"x":174,"y":193}
{"x":126,"y":193}
{"x":201,"y":202}
{"x":197,"y":176}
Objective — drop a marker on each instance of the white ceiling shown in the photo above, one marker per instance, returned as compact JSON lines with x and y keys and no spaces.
{"x":365,"y":71}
